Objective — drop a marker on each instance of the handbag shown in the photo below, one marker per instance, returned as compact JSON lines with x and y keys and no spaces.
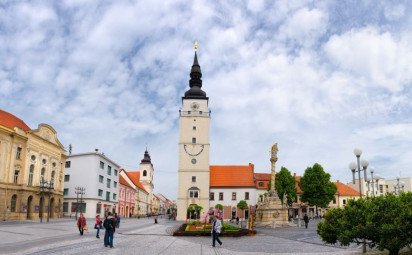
{"x":86,"y":228}
{"x":96,"y":226}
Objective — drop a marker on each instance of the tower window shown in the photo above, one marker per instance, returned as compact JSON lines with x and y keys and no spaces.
{"x":193,"y":194}
{"x":144,"y":173}
{"x":193,"y":139}
{"x":194,"y":127}
{"x":193,"y":178}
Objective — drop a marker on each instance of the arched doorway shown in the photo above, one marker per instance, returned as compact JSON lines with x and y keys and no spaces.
{"x":29,"y":207}
{"x":41,"y":207}
{"x":51,"y":207}
{"x":127,"y":212}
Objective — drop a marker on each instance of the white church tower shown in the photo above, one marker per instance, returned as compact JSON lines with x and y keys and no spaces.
{"x":146,"y":172}
{"x":194,"y":146}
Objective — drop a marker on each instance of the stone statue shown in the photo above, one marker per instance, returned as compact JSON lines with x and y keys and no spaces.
{"x":273,"y":158}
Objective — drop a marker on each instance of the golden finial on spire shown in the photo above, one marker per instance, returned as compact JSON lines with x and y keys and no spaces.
{"x":196,"y":46}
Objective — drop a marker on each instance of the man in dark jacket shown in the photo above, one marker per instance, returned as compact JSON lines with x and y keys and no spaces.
{"x":306,"y":220}
{"x":110,"y":226}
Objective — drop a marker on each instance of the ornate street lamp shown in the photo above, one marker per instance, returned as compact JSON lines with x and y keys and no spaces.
{"x":50,"y":187}
{"x":43,"y":186}
{"x":356,"y":167}
{"x":398,"y":186}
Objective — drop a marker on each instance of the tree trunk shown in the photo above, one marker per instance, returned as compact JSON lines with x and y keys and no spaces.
{"x":394,"y":251}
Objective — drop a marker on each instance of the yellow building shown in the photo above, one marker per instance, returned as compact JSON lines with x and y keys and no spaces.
{"x":28,"y":156}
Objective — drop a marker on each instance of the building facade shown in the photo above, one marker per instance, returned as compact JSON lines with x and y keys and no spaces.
{"x":193,"y":169}
{"x":99,"y":176}
{"x":142,"y":204}
{"x":28,"y":159}
{"x":127,"y":196}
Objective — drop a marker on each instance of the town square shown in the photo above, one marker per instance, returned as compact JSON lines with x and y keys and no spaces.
{"x":205,"y":127}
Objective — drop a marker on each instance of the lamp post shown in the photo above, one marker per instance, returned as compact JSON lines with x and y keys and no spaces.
{"x":356,"y":167}
{"x":398,"y":186}
{"x":79,"y":191}
{"x":43,"y":186}
{"x":50,"y":187}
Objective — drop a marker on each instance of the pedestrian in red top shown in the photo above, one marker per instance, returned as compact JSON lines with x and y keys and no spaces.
{"x":81,"y":223}
{"x":98,"y":225}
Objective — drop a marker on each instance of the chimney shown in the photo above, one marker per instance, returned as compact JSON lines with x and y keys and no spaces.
{"x":96,"y":150}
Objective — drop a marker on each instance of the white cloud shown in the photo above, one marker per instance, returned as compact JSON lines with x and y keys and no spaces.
{"x":378,"y":57}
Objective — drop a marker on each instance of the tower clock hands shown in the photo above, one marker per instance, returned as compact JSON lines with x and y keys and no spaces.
{"x":194,"y":154}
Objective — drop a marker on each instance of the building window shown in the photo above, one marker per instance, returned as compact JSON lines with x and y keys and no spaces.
{"x":344,"y":201}
{"x":100,"y":192}
{"x":52,"y":176}
{"x":115,"y":172}
{"x":108,"y":183}
{"x":65,"y":207}
{"x":44,"y":161}
{"x":212,"y":196}
{"x":98,"y":208}
{"x":114,"y":196}
{"x":67,"y":164}
{"x":193,"y":178}
{"x":43,"y":172}
{"x":381,"y":189}
{"x":66,"y":177}
{"x":233,"y":195}
{"x":101,"y":165}
{"x":31,"y":173}
{"x":18,"y":153}
{"x":107,"y":196}
{"x":144,"y":173}
{"x":246,"y":195}
{"x":115,"y":184}
{"x":193,"y":139}
{"x":220,"y":196}
{"x":65,"y":192}
{"x":260,"y":184}
{"x":109,"y":170}
{"x":193,"y":194}
{"x":13,"y":203}
{"x":194,"y":127}
{"x":334,"y":201}
{"x":16,"y":176}
{"x":101,"y":178}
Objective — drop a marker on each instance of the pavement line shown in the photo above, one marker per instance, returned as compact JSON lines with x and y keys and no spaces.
{"x":11,"y":232}
{"x":167,"y":247}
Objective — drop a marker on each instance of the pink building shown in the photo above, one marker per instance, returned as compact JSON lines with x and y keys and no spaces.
{"x":126,"y":199}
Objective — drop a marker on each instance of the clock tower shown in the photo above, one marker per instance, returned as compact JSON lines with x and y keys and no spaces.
{"x":194,"y":118}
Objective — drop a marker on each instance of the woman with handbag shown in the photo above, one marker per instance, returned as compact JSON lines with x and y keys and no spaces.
{"x":98,"y":225}
{"x":81,"y":223}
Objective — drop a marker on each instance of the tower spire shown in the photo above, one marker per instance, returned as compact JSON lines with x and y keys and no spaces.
{"x":195,"y":82}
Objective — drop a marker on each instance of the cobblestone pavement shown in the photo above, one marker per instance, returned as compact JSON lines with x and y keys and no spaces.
{"x":141,"y":236}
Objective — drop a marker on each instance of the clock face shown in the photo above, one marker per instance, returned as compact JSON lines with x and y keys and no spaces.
{"x":193,"y":150}
{"x":194,"y":161}
{"x":194,"y":106}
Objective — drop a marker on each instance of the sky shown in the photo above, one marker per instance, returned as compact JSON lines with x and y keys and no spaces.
{"x":320,"y":78}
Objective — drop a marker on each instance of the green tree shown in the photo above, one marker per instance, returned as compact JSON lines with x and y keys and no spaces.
{"x":219,"y":206}
{"x":316,"y":186}
{"x":385,"y":222}
{"x":285,"y":185}
{"x":242,"y":205}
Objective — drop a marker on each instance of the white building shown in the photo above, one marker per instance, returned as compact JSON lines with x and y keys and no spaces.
{"x":99,"y":176}
{"x":404,"y":184}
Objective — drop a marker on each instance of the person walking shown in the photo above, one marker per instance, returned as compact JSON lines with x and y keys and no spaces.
{"x":98,"y":225}
{"x":81,"y":223}
{"x":155,"y":218}
{"x":306,"y":220}
{"x":110,"y":227}
{"x":216,"y":230}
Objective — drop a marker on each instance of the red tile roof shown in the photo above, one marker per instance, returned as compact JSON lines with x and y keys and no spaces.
{"x":232,"y":176}
{"x":262,"y":178}
{"x":124,"y":182}
{"x":135,"y":178}
{"x":345,"y":190}
{"x":10,"y":121}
